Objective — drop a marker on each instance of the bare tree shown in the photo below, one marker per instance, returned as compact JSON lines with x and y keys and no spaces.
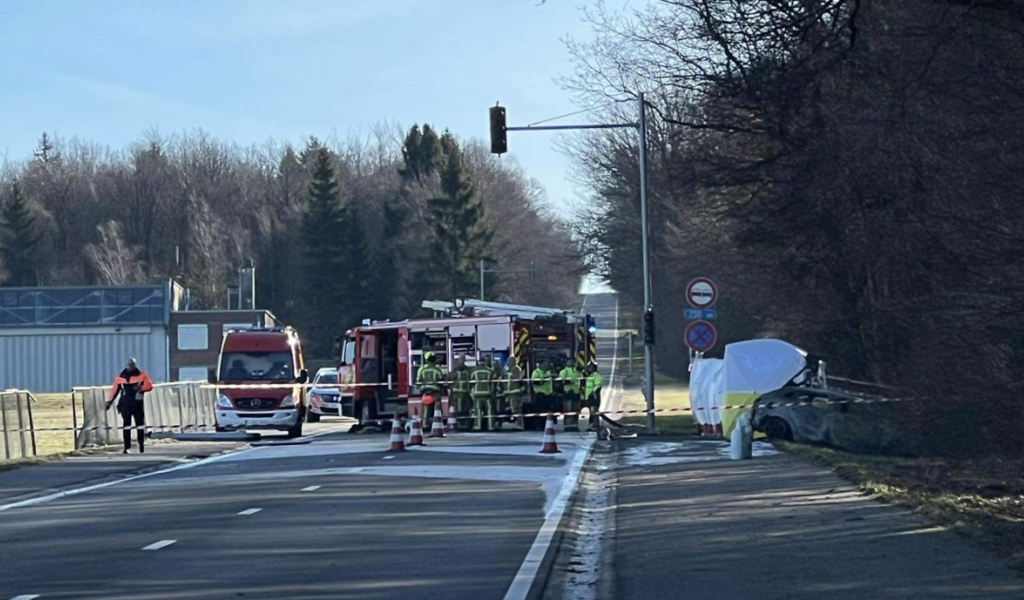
{"x":116,"y":262}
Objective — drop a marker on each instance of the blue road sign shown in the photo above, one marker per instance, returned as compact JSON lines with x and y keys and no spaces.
{"x":707,"y":314}
{"x":701,"y":336}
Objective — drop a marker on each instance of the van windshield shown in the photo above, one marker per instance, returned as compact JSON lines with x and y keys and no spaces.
{"x":257,"y":366}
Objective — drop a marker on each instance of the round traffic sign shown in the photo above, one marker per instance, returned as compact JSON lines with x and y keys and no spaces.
{"x":700,"y":336}
{"x":702,"y":293}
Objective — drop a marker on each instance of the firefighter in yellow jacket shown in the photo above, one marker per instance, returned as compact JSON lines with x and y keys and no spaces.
{"x":481,"y":389}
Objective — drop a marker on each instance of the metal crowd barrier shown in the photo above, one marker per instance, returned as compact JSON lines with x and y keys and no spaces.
{"x":181,"y":406}
{"x":17,"y":424}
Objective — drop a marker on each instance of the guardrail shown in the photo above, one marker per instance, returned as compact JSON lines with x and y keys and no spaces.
{"x":17,"y":425}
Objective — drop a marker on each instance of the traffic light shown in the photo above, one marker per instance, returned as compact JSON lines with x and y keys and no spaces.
{"x":649,"y":327}
{"x":499,"y":136}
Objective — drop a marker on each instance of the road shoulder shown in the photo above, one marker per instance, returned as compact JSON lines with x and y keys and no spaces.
{"x":690,"y":523}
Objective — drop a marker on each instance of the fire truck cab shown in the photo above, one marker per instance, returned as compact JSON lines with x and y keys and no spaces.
{"x":378,"y":362}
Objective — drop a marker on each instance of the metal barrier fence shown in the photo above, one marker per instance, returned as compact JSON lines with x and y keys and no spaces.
{"x":184,"y":406}
{"x":16,"y":421}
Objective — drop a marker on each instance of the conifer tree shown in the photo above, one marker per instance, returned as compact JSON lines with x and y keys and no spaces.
{"x":459,"y":237}
{"x":324,"y":264}
{"x":19,"y":239}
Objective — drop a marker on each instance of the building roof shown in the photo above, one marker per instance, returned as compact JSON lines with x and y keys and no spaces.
{"x":85,"y":306}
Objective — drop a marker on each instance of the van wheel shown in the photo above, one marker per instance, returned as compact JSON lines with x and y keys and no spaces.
{"x":312,"y":417}
{"x":777,"y":429}
{"x":296,"y":430}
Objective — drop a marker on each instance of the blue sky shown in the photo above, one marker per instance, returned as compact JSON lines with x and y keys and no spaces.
{"x":248,"y":70}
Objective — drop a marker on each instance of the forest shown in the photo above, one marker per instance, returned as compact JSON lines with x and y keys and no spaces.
{"x":339,"y":230}
{"x":848,"y":171}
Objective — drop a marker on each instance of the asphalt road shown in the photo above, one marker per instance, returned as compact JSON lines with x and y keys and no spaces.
{"x":689,"y":523}
{"x":470,"y":516}
{"x":336,"y":518}
{"x":604,"y":308}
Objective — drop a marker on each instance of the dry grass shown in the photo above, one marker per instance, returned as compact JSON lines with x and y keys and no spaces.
{"x":669,"y":392}
{"x":53,"y":411}
{"x":981,"y":499}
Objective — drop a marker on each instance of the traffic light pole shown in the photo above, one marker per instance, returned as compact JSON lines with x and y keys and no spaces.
{"x":648,"y":348}
{"x":499,"y":145}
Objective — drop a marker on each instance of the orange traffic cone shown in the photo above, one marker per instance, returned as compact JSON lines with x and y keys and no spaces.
{"x":550,"y":446}
{"x":397,"y":436}
{"x":416,"y":433}
{"x":437,"y":428}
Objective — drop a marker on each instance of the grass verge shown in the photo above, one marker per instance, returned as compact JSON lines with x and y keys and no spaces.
{"x":980,"y":499}
{"x":670,"y":392}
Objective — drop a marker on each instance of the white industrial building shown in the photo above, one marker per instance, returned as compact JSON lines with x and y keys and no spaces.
{"x":52,"y":339}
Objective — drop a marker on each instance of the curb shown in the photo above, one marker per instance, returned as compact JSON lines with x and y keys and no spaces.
{"x":559,"y":553}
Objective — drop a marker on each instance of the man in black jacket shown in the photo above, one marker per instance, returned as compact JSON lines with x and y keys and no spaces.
{"x":130,"y":386}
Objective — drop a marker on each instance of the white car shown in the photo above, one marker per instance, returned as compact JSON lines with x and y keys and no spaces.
{"x":325,"y":395}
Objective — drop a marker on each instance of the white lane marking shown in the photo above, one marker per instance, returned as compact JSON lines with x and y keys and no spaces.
{"x":521,"y":585}
{"x":311,"y":488}
{"x":100,"y":486}
{"x":250,"y":511}
{"x":178,"y":467}
{"x":26,"y":597}
{"x":388,"y":457}
{"x":159,"y":545}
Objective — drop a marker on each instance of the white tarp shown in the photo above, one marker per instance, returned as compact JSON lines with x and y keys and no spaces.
{"x":753,"y":368}
{"x":705,"y":381}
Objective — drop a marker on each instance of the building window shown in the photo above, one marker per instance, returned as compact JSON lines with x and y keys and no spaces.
{"x":193,"y":337}
{"x":193,"y":374}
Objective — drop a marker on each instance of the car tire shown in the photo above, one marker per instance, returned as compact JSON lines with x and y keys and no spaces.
{"x":312,"y":417}
{"x":296,"y":430}
{"x":777,"y":429}
{"x":219,"y":429}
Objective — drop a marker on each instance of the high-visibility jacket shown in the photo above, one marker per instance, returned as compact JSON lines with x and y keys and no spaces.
{"x":570,"y":377}
{"x":481,"y":381}
{"x":428,"y":377}
{"x":460,"y":379}
{"x":514,"y":383}
{"x":593,"y":384}
{"x":542,"y":383}
{"x":140,"y":379}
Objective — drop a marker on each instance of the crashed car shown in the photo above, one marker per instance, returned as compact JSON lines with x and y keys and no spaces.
{"x":800,"y":413}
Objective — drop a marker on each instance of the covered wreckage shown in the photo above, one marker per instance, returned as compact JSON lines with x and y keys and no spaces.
{"x":749,"y":370}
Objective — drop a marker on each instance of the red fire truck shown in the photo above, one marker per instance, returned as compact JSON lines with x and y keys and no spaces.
{"x":378,"y":362}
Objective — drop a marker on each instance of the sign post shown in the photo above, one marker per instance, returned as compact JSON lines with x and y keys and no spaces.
{"x":700,"y":335}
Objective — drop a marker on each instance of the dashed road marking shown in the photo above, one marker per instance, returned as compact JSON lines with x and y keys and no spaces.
{"x":26,"y":597}
{"x":250,"y":511}
{"x":388,"y":457}
{"x":311,"y":488}
{"x":159,"y":545}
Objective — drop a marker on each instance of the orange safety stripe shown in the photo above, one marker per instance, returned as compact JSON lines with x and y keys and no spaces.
{"x":147,"y":384}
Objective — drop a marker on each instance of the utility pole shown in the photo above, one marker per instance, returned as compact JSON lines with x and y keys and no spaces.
{"x":499,"y":145}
